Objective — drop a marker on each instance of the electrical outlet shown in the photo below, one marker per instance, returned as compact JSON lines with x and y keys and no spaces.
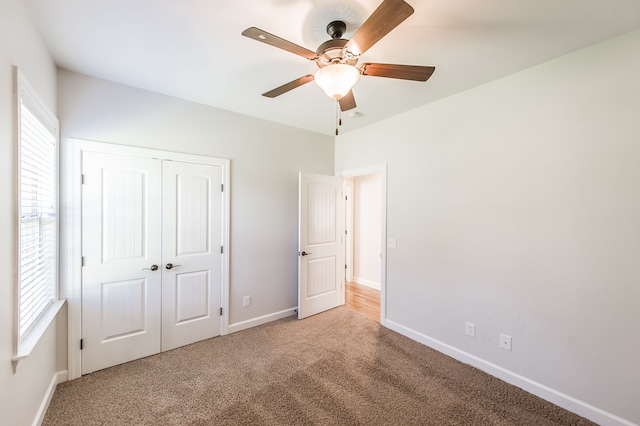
{"x":505,"y":342}
{"x":470,"y":329}
{"x":246,"y":301}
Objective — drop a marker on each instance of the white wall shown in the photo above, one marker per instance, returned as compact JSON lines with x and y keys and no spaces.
{"x":516,"y":206}
{"x":21,"y":393}
{"x":366,"y":230}
{"x":265,"y":161}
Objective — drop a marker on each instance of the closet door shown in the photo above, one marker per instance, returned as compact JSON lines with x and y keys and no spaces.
{"x":191,"y":254}
{"x":121,"y":276}
{"x":152,"y":237}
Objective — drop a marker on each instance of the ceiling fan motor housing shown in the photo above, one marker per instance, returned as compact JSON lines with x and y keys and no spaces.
{"x":331,"y":51}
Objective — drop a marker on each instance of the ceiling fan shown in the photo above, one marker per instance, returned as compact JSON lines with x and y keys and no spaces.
{"x":337,"y":58}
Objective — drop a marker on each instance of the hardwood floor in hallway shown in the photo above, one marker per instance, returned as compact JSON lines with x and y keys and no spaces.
{"x":363,"y":299}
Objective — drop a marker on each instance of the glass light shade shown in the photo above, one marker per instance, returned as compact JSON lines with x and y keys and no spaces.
{"x":336,"y":79}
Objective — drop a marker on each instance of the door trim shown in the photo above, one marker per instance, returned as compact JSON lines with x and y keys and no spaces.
{"x":348,"y":226}
{"x":71,"y":235}
{"x":382,"y":171}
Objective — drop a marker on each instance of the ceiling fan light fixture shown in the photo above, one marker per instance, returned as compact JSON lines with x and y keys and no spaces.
{"x":337,"y":79}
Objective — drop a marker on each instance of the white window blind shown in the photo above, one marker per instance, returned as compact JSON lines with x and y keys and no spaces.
{"x":38,"y":224}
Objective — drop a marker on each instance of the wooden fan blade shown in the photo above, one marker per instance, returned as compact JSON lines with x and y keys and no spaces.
{"x":347,"y":102}
{"x":288,"y":86}
{"x":404,"y":72}
{"x":263,"y":36}
{"x":385,"y":18}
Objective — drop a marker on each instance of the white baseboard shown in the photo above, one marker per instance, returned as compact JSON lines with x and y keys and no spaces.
{"x":365,"y":282}
{"x":565,"y":401}
{"x":59,"y":377}
{"x":243,"y":325}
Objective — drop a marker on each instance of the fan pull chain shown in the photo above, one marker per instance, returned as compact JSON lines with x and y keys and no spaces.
{"x":338,"y":116}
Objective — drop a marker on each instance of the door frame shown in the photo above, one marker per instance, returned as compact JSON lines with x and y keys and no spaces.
{"x":382,"y":171}
{"x":348,"y":226}
{"x":71,"y":235}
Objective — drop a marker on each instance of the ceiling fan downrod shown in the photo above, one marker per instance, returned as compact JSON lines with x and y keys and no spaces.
{"x":336,"y":29}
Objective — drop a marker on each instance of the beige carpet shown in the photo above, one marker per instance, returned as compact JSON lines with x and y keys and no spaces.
{"x":336,"y":368}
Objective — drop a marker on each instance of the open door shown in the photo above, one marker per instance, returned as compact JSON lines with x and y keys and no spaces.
{"x":320,"y":241}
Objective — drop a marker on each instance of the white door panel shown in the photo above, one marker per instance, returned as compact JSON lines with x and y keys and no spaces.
{"x":121,"y":299}
{"x":192,"y":212}
{"x":320,"y":271}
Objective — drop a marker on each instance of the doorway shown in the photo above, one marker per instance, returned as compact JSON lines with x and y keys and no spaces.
{"x":365,"y":242}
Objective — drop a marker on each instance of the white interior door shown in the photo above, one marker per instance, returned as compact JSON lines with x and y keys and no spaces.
{"x":191,"y":254}
{"x":320,"y":240}
{"x":152,"y":274}
{"x":121,"y":291}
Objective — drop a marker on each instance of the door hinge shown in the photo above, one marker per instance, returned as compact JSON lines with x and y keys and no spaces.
{"x":81,"y":344}
{"x":345,"y":198}
{"x":222,"y":187}
{"x":221,"y":249}
{"x":345,"y":266}
{"x":220,"y":311}
{"x":82,"y":179}
{"x":82,"y":261}
{"x":345,"y":232}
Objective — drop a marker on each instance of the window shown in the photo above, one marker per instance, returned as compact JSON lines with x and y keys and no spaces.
{"x":37,"y":286}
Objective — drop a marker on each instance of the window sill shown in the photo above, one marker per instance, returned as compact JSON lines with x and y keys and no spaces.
{"x":27,"y":345}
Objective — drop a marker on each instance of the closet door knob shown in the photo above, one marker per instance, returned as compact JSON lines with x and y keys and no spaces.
{"x":153,"y":268}
{"x":171,"y":266}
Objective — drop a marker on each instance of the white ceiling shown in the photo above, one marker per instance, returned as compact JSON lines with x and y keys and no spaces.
{"x":193,"y":49}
